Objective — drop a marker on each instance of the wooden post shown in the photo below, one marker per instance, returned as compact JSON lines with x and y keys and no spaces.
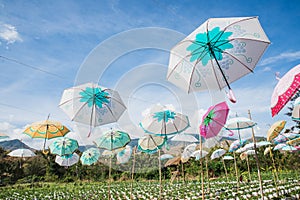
{"x":207,"y":174}
{"x":256,"y":158}
{"x":159,"y":168}
{"x":132,"y":172}
{"x":249,"y":173}
{"x":202,"y":174}
{"x":225,"y":169}
{"x":275,"y":176}
{"x":236,"y":173}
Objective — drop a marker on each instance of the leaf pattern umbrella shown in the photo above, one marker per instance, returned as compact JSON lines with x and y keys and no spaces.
{"x":164,"y":122}
{"x":92,"y":104}
{"x":113,"y":139}
{"x":219,"y":52}
{"x":124,"y":155}
{"x":63,"y":146}
{"x":213,"y":120}
{"x":90,"y":156}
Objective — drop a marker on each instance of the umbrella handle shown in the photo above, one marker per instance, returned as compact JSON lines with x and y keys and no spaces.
{"x":231,"y":96}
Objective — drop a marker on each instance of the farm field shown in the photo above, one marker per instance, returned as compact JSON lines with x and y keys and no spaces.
{"x":218,"y":189}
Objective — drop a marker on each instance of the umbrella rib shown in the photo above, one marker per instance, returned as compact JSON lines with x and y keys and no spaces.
{"x":235,"y":58}
{"x":245,"y":19}
{"x":250,"y":39}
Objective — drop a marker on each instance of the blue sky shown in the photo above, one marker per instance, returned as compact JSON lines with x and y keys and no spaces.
{"x":54,"y":38}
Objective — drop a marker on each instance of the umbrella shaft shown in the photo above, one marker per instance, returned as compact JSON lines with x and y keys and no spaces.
{"x":213,"y":54}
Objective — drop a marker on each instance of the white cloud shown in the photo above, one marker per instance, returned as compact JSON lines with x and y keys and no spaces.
{"x":266,"y":69}
{"x":9,"y":33}
{"x":286,"y":56}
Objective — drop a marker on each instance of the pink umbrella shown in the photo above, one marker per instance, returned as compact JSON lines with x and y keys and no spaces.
{"x":285,"y":89}
{"x":213,"y":120}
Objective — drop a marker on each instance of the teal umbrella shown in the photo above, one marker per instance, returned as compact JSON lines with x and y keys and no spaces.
{"x":111,"y":140}
{"x":90,"y":156}
{"x":63,"y":146}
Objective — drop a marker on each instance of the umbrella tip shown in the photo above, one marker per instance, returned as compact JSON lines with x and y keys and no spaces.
{"x":231,"y":96}
{"x":277,"y":76}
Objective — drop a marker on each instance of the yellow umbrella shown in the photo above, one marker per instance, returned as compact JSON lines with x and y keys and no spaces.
{"x":294,"y":141}
{"x":275,"y":129}
{"x":46,"y":129}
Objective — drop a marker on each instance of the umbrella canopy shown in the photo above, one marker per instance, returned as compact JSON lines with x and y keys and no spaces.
{"x":166,"y":157}
{"x":236,"y":145}
{"x":285,"y":89}
{"x":188,"y":151}
{"x":46,"y":129}
{"x":198,"y":154}
{"x":294,"y":142}
{"x":184,"y":137}
{"x":67,"y":160}
{"x":267,"y":150}
{"x":262,"y":143}
{"x":151,"y":143}
{"x":113,"y":152}
{"x":284,"y":137}
{"x":284,"y":147}
{"x":217,"y":153}
{"x":22,"y":153}
{"x":90,"y":156}
{"x":213,"y":120}
{"x":296,"y":110}
{"x":124,"y":155}
{"x":275,"y":130}
{"x":239,"y":123}
{"x":243,"y":155}
{"x":219,"y":52}
{"x":241,"y":150}
{"x":3,"y":136}
{"x":250,"y":152}
{"x":92,"y":104}
{"x":63,"y":146}
{"x":228,"y":158}
{"x":113,"y":139}
{"x":162,"y":121}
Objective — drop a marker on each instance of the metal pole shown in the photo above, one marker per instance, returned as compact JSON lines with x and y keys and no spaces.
{"x":256,"y":158}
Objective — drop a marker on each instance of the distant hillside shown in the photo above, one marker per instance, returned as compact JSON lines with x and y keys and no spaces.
{"x":10,"y":145}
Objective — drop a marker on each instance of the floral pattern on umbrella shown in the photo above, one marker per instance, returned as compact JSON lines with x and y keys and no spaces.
{"x":90,"y":156}
{"x":213,"y":120}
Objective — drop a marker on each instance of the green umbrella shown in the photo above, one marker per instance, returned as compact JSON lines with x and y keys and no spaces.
{"x":63,"y":146}
{"x":90,"y":156}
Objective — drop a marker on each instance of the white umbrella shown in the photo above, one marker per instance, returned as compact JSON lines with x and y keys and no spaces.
{"x":228,"y":158}
{"x":92,"y":104}
{"x":197,"y":154}
{"x":22,"y":153}
{"x":217,"y":153}
{"x":67,"y":160}
{"x":187,"y":152}
{"x":184,"y":137}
